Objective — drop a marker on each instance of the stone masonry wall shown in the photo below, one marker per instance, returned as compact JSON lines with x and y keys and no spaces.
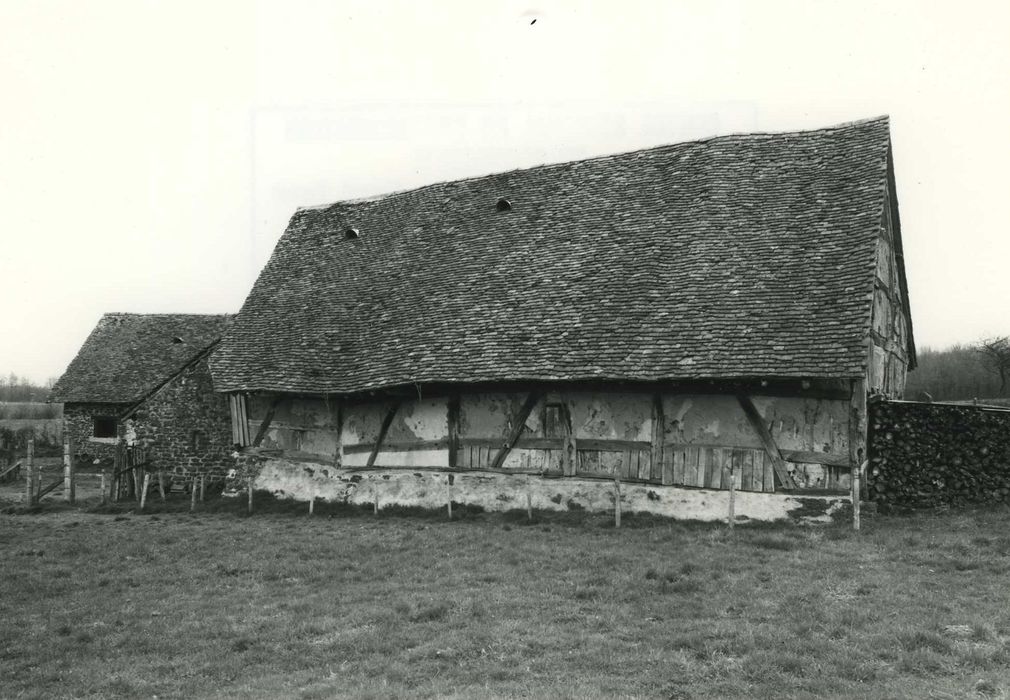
{"x":78,"y":426}
{"x":186,"y":426}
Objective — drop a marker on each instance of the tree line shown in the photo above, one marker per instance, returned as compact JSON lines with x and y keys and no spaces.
{"x":21,"y":389}
{"x":979,"y":370}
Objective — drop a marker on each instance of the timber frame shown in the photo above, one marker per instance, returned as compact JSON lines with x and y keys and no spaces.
{"x":662,"y":459}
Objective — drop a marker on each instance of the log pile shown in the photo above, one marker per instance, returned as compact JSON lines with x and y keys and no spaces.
{"x":927,"y":455}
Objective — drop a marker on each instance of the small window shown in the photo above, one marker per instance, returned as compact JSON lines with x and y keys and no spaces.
{"x":178,"y":340}
{"x":198,"y":441}
{"x":351,"y":233}
{"x":104,"y":427}
{"x":503,"y":205}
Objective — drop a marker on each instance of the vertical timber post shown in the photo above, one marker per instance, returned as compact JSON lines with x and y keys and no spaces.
{"x":453,"y":422}
{"x":731,"y":520}
{"x":658,"y":439}
{"x":857,"y":442}
{"x":192,"y":496}
{"x":105,"y":495}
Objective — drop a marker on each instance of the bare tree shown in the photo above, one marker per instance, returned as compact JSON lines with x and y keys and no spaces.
{"x":996,"y":355}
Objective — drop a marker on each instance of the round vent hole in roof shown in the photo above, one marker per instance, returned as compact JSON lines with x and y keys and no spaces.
{"x":503,"y":205}
{"x":351,"y":233}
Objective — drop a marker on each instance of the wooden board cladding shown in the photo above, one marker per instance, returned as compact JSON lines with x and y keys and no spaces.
{"x":685,"y":465}
{"x":702,"y":466}
{"x":680,"y":465}
{"x":239,"y":419}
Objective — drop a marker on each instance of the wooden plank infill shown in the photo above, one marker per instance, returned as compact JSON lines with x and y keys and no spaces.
{"x":453,"y":418}
{"x":243,"y":402}
{"x":239,"y":420}
{"x":267,"y":420}
{"x":756,"y":422}
{"x":518,"y":424}
{"x":383,"y":429}
{"x":233,"y":411}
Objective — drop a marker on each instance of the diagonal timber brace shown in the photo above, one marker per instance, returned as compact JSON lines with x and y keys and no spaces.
{"x":518,"y":424}
{"x":383,"y":429}
{"x":267,"y":420}
{"x":756,"y":422}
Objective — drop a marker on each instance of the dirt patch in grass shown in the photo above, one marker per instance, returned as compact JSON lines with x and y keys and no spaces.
{"x":407,"y":604}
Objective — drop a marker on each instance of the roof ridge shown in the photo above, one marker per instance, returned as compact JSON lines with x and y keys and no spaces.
{"x":602,"y":157}
{"x":149,"y":315}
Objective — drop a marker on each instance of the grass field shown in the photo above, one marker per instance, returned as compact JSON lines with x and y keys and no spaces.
{"x":217,"y":604}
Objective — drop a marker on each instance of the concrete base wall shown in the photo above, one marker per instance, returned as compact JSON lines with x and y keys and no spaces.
{"x":501,"y":492}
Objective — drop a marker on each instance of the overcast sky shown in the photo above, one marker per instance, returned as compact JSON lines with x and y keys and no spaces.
{"x":152,"y":152}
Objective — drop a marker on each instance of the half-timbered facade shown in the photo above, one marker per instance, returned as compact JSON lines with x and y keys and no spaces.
{"x":679,"y":318}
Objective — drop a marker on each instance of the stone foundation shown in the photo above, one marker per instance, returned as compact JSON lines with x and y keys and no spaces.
{"x":501,"y":492}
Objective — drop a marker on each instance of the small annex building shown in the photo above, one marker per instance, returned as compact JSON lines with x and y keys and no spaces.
{"x":143,"y":379}
{"x":675,"y":317}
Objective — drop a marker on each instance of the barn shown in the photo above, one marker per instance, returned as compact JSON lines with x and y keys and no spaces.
{"x":142,"y":380}
{"x":677,"y":319}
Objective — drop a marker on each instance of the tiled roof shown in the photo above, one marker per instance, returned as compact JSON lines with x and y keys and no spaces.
{"x":129,"y":355}
{"x":737,"y":256}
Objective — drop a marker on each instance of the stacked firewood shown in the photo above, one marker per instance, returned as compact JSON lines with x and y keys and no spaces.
{"x":925,"y":455}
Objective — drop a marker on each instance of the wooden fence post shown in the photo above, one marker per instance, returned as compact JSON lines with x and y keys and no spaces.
{"x":250,"y":495}
{"x":448,"y":491}
{"x":312,"y":504}
{"x":192,"y":496}
{"x":69,"y":492}
{"x":856,"y":495}
{"x":529,"y":500}
{"x":30,"y":473}
{"x":117,"y":472}
{"x":617,"y":502}
{"x":104,"y":494}
{"x":161,"y":484}
{"x":202,"y":486}
{"x":143,"y":489}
